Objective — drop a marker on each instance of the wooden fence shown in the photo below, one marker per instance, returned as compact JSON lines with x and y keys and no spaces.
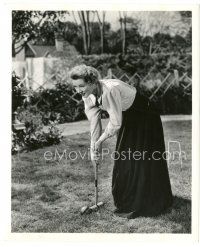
{"x":159,"y":89}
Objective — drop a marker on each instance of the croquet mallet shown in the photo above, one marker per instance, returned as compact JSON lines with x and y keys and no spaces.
{"x":87,"y":209}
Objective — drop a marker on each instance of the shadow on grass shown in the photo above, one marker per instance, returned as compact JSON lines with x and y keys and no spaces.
{"x":180,"y":213}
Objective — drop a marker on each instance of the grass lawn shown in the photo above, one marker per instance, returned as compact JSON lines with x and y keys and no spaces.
{"x":47,"y":194}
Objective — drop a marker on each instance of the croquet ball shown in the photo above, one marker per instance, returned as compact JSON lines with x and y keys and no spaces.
{"x":83,"y":209}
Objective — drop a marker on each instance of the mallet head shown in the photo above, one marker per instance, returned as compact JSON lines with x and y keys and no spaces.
{"x":84,"y":209}
{"x":87,"y":210}
{"x":96,"y":206}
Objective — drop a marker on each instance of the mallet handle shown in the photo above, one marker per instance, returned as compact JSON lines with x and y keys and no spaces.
{"x":96,"y":181}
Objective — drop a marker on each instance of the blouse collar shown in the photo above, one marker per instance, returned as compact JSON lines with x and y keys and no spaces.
{"x":99,"y":99}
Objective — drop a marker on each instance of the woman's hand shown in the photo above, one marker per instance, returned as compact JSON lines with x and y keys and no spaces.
{"x":95,"y":150}
{"x":97,"y":146}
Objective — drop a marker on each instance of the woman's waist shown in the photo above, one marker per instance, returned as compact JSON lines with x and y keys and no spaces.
{"x":143,"y":104}
{"x":128,"y":99}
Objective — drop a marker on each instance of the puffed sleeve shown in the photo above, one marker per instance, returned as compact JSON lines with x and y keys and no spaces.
{"x":93,"y":114}
{"x":114,"y":109}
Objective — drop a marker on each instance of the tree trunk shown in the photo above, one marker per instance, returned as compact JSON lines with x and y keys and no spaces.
{"x":124,"y":38}
{"x":85,"y":25}
{"x":102,"y":40}
{"x":101,"y":26}
{"x":150,"y":47}
{"x":13,"y":48}
{"x":123,"y":32}
{"x":84,"y":32}
{"x":88,"y":31}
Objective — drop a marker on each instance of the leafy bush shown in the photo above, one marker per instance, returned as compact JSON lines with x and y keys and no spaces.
{"x":103,"y":62}
{"x":175,"y":100}
{"x":56,"y":104}
{"x":34,"y":136}
{"x":140,"y":64}
{"x":17,"y":141}
{"x":18,"y":93}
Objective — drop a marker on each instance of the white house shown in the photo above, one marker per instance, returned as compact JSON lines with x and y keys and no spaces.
{"x":33,"y":63}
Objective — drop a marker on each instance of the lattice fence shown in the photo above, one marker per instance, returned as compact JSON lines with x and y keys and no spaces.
{"x":159,"y":85}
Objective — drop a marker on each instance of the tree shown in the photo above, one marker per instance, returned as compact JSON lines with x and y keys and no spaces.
{"x":101,"y":26}
{"x":23,"y":28}
{"x":28,"y":25}
{"x":85,"y":21}
{"x":163,"y":22}
{"x":122,"y":20}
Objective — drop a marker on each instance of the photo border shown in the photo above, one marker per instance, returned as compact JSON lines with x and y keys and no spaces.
{"x":5,"y":103}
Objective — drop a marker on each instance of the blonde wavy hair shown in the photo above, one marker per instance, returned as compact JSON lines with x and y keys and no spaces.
{"x":88,"y":73}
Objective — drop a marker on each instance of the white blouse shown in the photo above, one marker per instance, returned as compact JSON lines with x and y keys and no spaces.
{"x":117,"y":96}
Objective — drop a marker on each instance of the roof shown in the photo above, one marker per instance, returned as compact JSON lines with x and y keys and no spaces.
{"x":43,"y":51}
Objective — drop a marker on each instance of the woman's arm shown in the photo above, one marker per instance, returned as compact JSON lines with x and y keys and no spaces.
{"x":114,"y":109}
{"x":93,"y":114}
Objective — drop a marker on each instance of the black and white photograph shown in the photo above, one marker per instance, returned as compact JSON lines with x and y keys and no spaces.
{"x":101,"y":121}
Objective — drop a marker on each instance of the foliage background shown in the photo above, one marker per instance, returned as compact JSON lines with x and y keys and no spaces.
{"x":160,"y":42}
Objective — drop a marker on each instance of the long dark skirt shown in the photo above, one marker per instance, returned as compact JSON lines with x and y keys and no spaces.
{"x":140,"y":182}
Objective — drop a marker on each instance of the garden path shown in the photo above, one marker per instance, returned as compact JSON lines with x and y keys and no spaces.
{"x":83,"y":126}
